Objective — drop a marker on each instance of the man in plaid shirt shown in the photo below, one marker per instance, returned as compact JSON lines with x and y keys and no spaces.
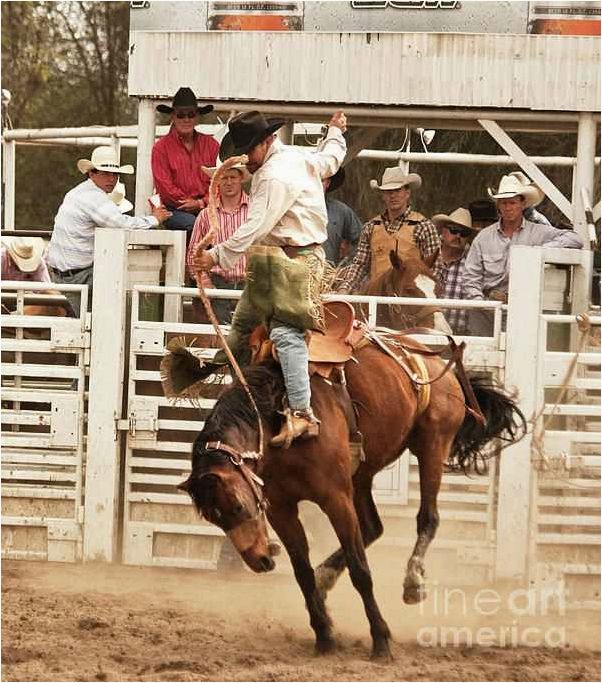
{"x":456,"y":232}
{"x":398,"y":228}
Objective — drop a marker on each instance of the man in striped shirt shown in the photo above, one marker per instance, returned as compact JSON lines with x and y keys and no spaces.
{"x":177,"y":159}
{"x":232,"y":211}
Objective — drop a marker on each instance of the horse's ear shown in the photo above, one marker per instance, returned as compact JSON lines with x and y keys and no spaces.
{"x":184,"y":485}
{"x":396,"y":262}
{"x":429,"y":261}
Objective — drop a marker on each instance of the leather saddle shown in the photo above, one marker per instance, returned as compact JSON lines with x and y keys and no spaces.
{"x":326,"y":350}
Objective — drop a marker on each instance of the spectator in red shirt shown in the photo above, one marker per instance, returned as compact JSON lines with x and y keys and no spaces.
{"x":177,"y":159}
{"x":232,"y":212}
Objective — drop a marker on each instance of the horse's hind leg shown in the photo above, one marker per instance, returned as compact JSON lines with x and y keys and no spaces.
{"x":343,"y":518}
{"x":328,"y":572}
{"x":431,"y":451}
{"x":285,"y":522}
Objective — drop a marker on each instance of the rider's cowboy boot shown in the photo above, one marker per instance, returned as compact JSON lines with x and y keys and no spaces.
{"x":297,"y":424}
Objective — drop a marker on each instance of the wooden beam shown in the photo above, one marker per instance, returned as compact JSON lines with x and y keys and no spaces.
{"x":537,"y":176}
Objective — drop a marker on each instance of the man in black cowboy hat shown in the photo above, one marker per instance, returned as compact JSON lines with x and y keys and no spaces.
{"x":344,"y":227}
{"x":288,"y":217}
{"x":177,"y":159}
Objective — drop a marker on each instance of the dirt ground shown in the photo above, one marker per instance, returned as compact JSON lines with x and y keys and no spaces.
{"x":98,"y":623}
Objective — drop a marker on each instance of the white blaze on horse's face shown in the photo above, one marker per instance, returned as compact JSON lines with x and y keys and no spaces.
{"x":427,"y":286}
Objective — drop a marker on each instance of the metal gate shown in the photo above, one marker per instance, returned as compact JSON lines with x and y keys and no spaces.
{"x":44,"y":362}
{"x":565,"y":522}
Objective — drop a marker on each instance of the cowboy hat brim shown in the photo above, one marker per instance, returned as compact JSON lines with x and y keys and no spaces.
{"x":336,"y":180}
{"x":230,"y":149}
{"x":201,"y":111}
{"x":85,"y":165}
{"x":210,"y":171}
{"x":530,"y":194}
{"x":442,"y":220}
{"x":413,"y":181}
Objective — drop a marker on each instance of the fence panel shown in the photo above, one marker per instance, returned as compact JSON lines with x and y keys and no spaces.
{"x":44,"y":363}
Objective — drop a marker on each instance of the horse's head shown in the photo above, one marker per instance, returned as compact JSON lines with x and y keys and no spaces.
{"x":412,"y":277}
{"x":227,"y":493}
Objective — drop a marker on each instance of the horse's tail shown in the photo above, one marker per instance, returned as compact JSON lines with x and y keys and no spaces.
{"x":503,"y":421}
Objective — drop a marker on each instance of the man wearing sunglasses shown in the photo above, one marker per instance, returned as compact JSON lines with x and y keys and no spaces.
{"x":177,"y":159}
{"x":456,"y":232}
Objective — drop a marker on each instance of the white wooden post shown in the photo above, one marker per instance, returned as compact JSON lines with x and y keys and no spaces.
{"x":286,"y":133}
{"x":10,"y":152}
{"x":107,"y":356}
{"x":146,"y":140}
{"x":583,"y":175}
{"x":175,"y":266}
{"x":522,"y":351}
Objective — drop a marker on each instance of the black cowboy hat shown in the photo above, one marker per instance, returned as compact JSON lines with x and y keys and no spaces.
{"x":336,"y":180}
{"x":247,"y":130}
{"x":184,"y":98}
{"x":483,"y":210}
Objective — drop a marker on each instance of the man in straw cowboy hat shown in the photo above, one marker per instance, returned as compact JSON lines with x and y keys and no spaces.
{"x":23,"y":259}
{"x":177,"y":159}
{"x":287,"y":216}
{"x":486,"y":269}
{"x":85,"y":208}
{"x":232,"y":212}
{"x":397,"y":228}
{"x":456,"y":231}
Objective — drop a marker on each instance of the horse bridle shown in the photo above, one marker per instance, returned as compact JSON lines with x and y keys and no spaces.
{"x":237,"y":458}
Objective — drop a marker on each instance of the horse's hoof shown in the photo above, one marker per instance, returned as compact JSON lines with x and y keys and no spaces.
{"x":381,"y":652}
{"x":412,"y":595}
{"x":325,"y":646}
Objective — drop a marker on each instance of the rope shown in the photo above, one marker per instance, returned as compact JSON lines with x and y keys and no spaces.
{"x":539,"y":427}
{"x":209,"y":237}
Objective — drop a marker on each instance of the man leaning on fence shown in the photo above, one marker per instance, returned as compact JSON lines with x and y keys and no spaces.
{"x":487,"y":264}
{"x":86,"y":208}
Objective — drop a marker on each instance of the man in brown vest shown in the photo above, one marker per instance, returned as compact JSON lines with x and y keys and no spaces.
{"x":397,"y":228}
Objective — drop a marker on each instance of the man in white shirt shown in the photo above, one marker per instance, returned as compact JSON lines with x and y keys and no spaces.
{"x":85,"y":208}
{"x":288,"y":213}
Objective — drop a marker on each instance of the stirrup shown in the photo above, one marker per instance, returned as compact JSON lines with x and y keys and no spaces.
{"x":298,"y":424}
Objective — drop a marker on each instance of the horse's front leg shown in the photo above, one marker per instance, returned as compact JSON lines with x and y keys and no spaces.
{"x":285,"y":522}
{"x":343,"y":518}
{"x":328,"y":572}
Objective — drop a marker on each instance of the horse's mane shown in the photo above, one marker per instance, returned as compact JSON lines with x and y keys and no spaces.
{"x":233,"y":406}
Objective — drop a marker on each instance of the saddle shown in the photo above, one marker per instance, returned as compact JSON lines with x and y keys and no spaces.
{"x":327,"y":349}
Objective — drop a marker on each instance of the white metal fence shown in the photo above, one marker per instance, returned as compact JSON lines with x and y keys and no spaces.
{"x":44,"y":362}
{"x":526,"y":519}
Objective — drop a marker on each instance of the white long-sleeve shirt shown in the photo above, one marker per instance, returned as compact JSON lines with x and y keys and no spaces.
{"x":84,"y":209}
{"x":287,"y":199}
{"x":487,"y":263}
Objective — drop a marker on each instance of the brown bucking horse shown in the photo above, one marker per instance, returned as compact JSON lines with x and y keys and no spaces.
{"x":236,"y":487}
{"x":414,"y":278}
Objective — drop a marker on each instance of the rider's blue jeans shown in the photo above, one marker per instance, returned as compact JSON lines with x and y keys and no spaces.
{"x":294,"y":357}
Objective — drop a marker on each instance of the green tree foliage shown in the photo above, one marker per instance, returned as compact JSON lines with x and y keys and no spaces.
{"x":65,"y":64}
